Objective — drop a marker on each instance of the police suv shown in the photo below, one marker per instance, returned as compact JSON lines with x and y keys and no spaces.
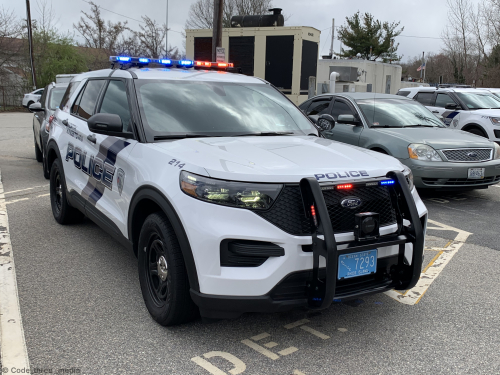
{"x":476,"y":111}
{"x":229,"y":196}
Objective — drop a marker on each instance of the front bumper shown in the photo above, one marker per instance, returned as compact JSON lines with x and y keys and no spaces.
{"x":451,"y":175}
{"x":281,"y":283}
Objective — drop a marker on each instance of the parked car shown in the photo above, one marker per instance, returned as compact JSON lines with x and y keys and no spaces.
{"x":32,"y":97}
{"x":494,"y":91}
{"x":410,"y":92}
{"x":44,"y":113}
{"x":439,"y":157}
{"x":476,"y":111}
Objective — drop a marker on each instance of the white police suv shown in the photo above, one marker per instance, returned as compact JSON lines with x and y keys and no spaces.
{"x":230,"y":197}
{"x":476,"y":111}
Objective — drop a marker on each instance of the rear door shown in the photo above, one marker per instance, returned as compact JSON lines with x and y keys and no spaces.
{"x":38,"y":119}
{"x":347,"y":133}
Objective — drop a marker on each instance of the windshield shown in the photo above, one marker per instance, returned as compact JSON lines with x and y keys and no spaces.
{"x":55,"y":97}
{"x":217,"y":109}
{"x":397,"y":113}
{"x":479,"y":100}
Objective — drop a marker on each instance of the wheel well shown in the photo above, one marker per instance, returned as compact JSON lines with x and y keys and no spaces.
{"x":51,"y":156}
{"x":381,"y":150}
{"x":144,"y":208}
{"x":474,"y":126}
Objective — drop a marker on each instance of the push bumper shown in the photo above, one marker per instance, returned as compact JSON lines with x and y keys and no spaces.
{"x":449,"y":175}
{"x":317,"y":287}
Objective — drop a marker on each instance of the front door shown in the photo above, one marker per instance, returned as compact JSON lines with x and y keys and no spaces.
{"x":346,"y":133}
{"x":439,"y":107}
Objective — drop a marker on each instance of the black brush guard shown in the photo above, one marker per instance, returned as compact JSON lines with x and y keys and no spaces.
{"x":321,"y":292}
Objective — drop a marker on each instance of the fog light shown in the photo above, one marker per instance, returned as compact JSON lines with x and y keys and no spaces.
{"x":367,"y":226}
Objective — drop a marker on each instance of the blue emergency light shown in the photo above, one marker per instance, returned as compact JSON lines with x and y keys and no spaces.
{"x":387,"y":182}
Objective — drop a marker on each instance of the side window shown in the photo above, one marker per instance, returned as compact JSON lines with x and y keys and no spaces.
{"x":442,"y":100}
{"x":403,"y":93}
{"x":304,"y":106}
{"x":318,"y":107}
{"x":67,"y":94}
{"x":39,"y":92}
{"x":425,"y":98}
{"x":341,"y":108}
{"x":115,"y":101}
{"x":89,"y":98}
{"x":74,"y":108}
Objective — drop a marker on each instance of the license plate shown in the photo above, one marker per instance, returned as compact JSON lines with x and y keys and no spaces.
{"x":357,"y":264}
{"x":476,"y":173}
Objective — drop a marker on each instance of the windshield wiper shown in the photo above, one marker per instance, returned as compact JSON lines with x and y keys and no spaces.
{"x":262,"y":134}
{"x":418,"y":125}
{"x":385,"y":126}
{"x":181,"y":136}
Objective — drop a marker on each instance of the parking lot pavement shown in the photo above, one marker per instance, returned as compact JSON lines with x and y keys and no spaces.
{"x":82,"y":308}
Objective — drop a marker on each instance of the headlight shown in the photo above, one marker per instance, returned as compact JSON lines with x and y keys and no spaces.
{"x":423,"y":152}
{"x":229,"y":193}
{"x":495,"y":120}
{"x":409,"y":177}
{"x":497,"y":151}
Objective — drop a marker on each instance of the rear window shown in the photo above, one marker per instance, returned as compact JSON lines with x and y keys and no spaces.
{"x":56,"y":95}
{"x":424,"y":98}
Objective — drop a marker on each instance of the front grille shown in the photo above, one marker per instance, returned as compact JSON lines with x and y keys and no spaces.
{"x":459,"y":181}
{"x":287,"y":213}
{"x":469,"y":154}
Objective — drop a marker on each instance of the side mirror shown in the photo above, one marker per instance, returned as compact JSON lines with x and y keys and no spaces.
{"x":326,"y":122}
{"x":451,"y":106}
{"x":313,"y":118}
{"x":105,"y":123}
{"x":36,"y":107}
{"x":347,"y":119}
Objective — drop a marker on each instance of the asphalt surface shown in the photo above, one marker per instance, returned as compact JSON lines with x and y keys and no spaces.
{"x":82,"y":307}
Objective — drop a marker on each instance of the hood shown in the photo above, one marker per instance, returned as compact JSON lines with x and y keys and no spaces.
{"x":438,"y":138}
{"x":280,"y":158}
{"x":486,"y":112}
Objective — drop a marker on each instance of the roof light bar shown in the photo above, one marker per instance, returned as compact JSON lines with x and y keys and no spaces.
{"x":143,"y":61}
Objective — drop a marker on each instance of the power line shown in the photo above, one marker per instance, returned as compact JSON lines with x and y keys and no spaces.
{"x":122,"y":15}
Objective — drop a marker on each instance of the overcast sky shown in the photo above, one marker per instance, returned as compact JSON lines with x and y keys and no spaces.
{"x":420,"y":18}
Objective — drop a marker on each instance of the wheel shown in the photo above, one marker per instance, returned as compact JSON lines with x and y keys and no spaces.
{"x":38,"y":152}
{"x":28,"y":106}
{"x":62,"y":211}
{"x":380,"y":151}
{"x":477,"y":131}
{"x":162,"y":273}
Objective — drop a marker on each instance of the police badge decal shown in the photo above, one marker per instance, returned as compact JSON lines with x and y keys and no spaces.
{"x":120,"y":179}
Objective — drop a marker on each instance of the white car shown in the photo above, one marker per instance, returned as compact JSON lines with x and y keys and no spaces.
{"x":227,"y":193}
{"x":476,"y":111}
{"x":32,"y":97}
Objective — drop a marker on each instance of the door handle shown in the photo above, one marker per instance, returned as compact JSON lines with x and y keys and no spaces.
{"x":92,"y":138}
{"x":65,"y":122}
{"x":435,"y":111}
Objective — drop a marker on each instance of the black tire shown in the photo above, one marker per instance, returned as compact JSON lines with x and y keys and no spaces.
{"x":162,"y":273}
{"x":62,"y":211}
{"x":380,"y":150}
{"x":38,"y":152}
{"x":477,"y":131}
{"x":46,"y":172}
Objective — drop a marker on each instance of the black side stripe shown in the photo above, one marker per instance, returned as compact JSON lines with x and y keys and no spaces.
{"x":108,"y":150}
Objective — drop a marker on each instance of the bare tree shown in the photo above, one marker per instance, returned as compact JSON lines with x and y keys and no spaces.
{"x":11,"y":30}
{"x":98,"y":33}
{"x":151,"y":37}
{"x":201,"y":12}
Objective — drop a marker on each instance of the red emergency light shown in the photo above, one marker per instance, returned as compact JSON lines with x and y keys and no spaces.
{"x":344,"y":186}
{"x":208,"y":64}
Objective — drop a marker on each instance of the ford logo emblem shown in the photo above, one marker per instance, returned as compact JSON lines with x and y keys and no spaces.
{"x":351,"y":202}
{"x":472,"y":154}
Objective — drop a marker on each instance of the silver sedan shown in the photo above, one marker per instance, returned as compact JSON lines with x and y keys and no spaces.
{"x":439,"y":157}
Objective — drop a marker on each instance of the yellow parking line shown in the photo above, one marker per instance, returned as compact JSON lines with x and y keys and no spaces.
{"x":431,"y":263}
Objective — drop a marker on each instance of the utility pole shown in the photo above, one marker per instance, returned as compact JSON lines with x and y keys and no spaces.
{"x":422,"y":66}
{"x":166,"y":35}
{"x":333,"y":37}
{"x":30,"y":41}
{"x":217,"y":28}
